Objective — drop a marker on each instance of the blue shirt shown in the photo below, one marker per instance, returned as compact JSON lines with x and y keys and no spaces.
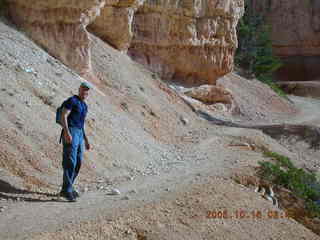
{"x":78,"y":112}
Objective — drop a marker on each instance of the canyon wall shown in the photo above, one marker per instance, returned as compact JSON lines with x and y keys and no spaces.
{"x":192,"y":42}
{"x":295,"y":35}
{"x":182,"y":40}
{"x":59,"y":27}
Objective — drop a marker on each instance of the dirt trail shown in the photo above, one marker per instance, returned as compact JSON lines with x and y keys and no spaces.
{"x":309,"y":111}
{"x":172,"y":204}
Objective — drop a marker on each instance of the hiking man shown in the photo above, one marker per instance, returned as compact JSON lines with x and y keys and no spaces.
{"x":74,"y":139}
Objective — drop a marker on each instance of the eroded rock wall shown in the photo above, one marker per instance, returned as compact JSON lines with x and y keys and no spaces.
{"x":295,"y":35}
{"x":59,"y":27}
{"x":183,"y":40}
{"x":114,"y":25}
{"x":192,"y":42}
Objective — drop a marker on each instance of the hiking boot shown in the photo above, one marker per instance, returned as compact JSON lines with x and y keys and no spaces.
{"x":75,"y":194}
{"x":68,"y":195}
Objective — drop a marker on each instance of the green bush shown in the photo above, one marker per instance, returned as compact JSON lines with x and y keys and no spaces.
{"x":254,"y":53}
{"x":299,"y":181}
{"x":267,"y":79}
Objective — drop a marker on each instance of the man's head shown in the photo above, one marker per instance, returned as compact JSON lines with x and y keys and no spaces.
{"x":84,"y":90}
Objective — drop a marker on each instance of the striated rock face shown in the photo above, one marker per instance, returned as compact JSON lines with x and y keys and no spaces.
{"x":295,"y":25}
{"x":59,"y":27}
{"x":191,"y":41}
{"x":185,"y":40}
{"x":114,"y":25}
{"x":295,"y":34}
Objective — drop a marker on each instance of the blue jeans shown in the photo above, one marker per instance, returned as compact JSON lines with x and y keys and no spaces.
{"x":72,"y":158}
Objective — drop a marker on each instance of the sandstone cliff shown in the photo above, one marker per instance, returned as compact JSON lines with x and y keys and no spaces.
{"x":59,"y":27}
{"x":188,"y":41}
{"x":295,"y":34}
{"x":114,"y":25}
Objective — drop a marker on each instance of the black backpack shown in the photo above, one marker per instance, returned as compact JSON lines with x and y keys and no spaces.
{"x":58,"y":118}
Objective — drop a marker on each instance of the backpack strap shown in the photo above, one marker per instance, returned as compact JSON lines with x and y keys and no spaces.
{"x":61,"y":136}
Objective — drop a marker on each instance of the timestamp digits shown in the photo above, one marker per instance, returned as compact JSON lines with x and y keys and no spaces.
{"x":243,"y":214}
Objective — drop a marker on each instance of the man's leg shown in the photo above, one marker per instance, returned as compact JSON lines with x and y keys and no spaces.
{"x":80,"y":151}
{"x":69,"y":162}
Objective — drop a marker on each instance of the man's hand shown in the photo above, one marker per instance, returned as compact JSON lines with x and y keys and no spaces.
{"x":68,"y":138}
{"x":88,"y":146}
{"x":67,"y":135}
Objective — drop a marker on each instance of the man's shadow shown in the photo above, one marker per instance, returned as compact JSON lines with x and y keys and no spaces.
{"x":6,"y":189}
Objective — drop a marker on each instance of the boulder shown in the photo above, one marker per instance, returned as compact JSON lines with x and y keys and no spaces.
{"x":210,"y":94}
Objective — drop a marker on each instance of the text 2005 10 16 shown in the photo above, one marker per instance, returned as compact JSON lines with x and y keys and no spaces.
{"x":248,"y":214}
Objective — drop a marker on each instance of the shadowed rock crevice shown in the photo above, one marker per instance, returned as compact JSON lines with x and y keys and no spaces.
{"x":307,"y":133}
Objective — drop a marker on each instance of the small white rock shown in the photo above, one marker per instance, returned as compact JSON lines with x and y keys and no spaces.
{"x":114,"y":191}
{"x":184,"y":120}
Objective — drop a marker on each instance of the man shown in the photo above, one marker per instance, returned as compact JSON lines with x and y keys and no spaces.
{"x":74,"y":138}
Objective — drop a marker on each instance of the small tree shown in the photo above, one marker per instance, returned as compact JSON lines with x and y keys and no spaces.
{"x":254,"y":52}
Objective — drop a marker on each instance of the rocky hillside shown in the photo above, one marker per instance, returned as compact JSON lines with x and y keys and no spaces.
{"x":130,"y":109}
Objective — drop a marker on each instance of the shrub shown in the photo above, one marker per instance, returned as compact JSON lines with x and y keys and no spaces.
{"x":302,"y":183}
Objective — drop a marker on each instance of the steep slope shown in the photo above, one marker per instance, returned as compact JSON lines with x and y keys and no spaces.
{"x":131,"y":110}
{"x":124,"y":114}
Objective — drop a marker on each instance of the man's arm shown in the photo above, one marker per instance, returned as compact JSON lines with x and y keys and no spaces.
{"x":86,"y":141}
{"x":66,"y":132}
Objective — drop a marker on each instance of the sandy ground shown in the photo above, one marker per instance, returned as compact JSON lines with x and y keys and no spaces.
{"x":173,"y":168}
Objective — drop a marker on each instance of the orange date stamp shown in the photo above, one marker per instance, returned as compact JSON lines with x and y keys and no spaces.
{"x":248,"y":214}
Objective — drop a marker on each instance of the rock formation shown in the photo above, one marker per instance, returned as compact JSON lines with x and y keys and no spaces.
{"x":192,"y":42}
{"x":114,"y":25}
{"x":210,"y":94}
{"x":188,"y":41}
{"x":295,"y":34}
{"x":59,"y":27}
{"x":184,"y":40}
